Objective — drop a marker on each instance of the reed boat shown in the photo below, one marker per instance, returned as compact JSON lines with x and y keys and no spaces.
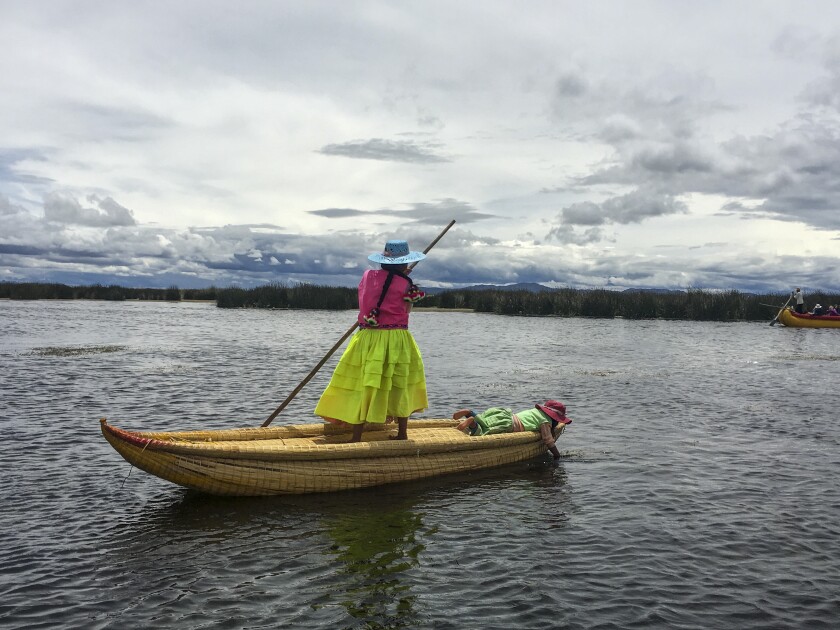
{"x":309,"y":458}
{"x":789,"y":317}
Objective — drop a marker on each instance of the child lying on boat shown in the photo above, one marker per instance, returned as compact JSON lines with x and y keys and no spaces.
{"x":543,"y":418}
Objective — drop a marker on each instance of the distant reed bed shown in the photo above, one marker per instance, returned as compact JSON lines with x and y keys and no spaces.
{"x":277,"y":295}
{"x":112,"y":292}
{"x":692,"y":304}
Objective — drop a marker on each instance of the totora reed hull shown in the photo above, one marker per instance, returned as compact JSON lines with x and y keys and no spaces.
{"x":795,"y":320}
{"x":309,"y":458}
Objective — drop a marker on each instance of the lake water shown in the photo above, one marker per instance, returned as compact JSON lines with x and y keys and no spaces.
{"x":698,"y":486}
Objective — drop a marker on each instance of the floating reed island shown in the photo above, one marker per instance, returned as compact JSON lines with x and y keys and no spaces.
{"x":692,"y":304}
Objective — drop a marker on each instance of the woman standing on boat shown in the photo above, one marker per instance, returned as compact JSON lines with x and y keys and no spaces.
{"x":380,"y":377}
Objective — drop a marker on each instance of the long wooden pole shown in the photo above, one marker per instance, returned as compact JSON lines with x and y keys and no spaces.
{"x":338,"y":344}
{"x":775,"y":319}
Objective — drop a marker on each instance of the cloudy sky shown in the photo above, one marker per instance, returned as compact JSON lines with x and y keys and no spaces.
{"x":579,"y":144}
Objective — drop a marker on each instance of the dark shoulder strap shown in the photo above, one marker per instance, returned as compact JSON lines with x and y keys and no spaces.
{"x":385,"y":288}
{"x":387,"y":285}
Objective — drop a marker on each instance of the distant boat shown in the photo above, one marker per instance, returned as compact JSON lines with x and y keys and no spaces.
{"x":789,"y":317}
{"x":309,"y":458}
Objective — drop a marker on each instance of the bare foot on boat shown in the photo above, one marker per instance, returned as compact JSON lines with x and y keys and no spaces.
{"x":466,"y":416}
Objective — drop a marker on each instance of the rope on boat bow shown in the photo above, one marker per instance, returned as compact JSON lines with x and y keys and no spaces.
{"x":131,"y":467}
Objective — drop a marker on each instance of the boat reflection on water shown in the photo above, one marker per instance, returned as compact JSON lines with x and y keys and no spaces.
{"x":376,"y":546}
{"x":380,"y":536}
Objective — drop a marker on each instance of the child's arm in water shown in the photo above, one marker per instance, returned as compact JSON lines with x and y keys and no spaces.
{"x":548,"y":439}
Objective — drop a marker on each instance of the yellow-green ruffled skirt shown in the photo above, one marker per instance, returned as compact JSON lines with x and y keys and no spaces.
{"x":380,"y":375}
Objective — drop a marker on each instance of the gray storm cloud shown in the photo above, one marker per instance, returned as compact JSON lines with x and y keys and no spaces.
{"x":101,"y":213}
{"x":438,"y":212}
{"x":386,"y":150}
{"x":582,"y":223}
{"x":660,"y":147}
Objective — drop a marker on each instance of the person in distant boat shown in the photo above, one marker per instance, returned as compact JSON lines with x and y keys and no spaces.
{"x":542,"y":418}
{"x":832,"y":310}
{"x":380,"y":377}
{"x":799,"y":299}
{"x":818,"y":310}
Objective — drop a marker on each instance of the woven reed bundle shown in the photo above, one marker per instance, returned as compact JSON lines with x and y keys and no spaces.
{"x":426,"y":437}
{"x":273,"y":433}
{"x":317,"y":463}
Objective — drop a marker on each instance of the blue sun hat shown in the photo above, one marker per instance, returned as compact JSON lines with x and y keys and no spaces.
{"x":396,"y":253}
